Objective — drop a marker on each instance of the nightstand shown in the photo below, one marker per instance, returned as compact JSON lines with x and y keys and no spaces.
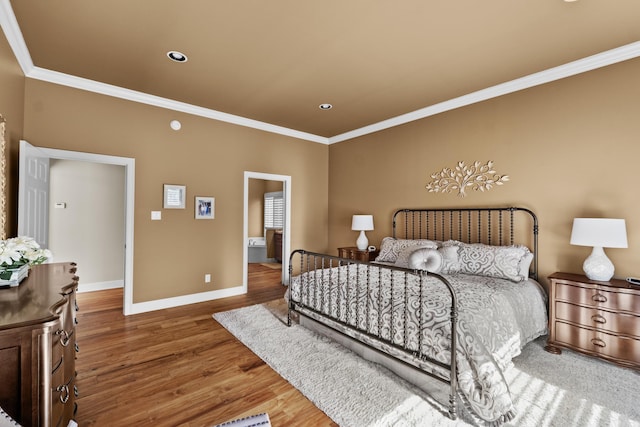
{"x":352,"y":252}
{"x":600,"y":319}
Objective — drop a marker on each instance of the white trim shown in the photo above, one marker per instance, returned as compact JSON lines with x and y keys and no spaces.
{"x":286,"y":241}
{"x":12,"y":31}
{"x":14,"y":36}
{"x":169,"y":104}
{"x":589,"y":63}
{"x":159,"y":304}
{"x":100,"y":286}
{"x":130,"y":174}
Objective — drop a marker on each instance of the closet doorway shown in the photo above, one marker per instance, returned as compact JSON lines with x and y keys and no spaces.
{"x":266,"y":223}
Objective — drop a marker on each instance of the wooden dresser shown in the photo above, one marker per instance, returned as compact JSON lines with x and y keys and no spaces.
{"x":38,"y":346}
{"x":601,"y":319}
{"x":352,"y":252}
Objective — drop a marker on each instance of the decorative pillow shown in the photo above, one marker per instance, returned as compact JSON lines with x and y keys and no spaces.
{"x":450,"y":259}
{"x":525,"y":264}
{"x":504,"y":262}
{"x":403,"y":257}
{"x":391,"y":247}
{"x":426,"y":259}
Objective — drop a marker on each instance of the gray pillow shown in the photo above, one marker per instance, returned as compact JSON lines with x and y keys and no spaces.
{"x":390,"y":247}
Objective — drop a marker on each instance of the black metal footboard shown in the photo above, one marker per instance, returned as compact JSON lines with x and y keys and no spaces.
{"x":348,"y":296}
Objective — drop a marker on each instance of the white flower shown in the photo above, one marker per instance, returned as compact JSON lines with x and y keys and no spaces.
{"x":22,"y":250}
{"x":9,"y":253}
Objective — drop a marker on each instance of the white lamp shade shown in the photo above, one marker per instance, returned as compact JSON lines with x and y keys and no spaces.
{"x":599,"y":232}
{"x":362,"y":222}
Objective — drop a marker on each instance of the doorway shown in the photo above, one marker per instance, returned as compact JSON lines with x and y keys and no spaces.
{"x":266,"y":237}
{"x":25,"y":210}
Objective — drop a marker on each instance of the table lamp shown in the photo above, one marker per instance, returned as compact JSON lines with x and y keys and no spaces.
{"x":599,"y":233}
{"x":362,"y":223}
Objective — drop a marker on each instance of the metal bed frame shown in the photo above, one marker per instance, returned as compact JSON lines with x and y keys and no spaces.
{"x":497,"y":226}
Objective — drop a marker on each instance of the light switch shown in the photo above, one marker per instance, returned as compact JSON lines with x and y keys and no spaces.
{"x":60,"y":205}
{"x":156,"y":215}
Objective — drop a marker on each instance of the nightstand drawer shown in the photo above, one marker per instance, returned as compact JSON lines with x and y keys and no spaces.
{"x":600,"y":319}
{"x":597,"y":297}
{"x":623,"y":349}
{"x":356,"y":254}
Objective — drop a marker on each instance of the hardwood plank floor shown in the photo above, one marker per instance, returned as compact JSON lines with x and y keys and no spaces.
{"x":178,"y":366}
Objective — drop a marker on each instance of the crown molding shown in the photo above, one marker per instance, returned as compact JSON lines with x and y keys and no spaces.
{"x":169,"y":104}
{"x":13,"y":33}
{"x":583,"y":65}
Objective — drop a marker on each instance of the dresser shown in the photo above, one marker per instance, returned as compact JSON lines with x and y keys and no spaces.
{"x":352,"y":252}
{"x":601,"y":319}
{"x":38,"y":346}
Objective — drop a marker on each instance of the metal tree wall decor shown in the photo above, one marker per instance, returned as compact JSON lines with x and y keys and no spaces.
{"x":477,"y":176}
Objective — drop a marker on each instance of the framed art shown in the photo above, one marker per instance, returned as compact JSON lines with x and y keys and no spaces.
{"x":174,"y":196}
{"x":205,"y":207}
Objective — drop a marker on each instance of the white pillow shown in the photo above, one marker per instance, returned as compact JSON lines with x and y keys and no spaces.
{"x":390,"y":247}
{"x":450,"y":259}
{"x":426,"y":259}
{"x":525,"y":264}
{"x":403,"y":257}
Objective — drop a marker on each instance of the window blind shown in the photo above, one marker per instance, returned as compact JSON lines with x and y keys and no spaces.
{"x":274,"y":210}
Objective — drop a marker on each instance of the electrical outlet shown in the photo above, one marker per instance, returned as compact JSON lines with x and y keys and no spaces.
{"x":207,"y":278}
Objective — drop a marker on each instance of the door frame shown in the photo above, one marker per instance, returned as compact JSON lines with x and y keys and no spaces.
{"x":286,"y":241}
{"x":129,"y":167}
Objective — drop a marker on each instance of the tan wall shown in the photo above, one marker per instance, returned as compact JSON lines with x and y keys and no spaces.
{"x":257,"y":188}
{"x":172,"y":256}
{"x":570,"y":148}
{"x":256,"y":211}
{"x":12,"y":84}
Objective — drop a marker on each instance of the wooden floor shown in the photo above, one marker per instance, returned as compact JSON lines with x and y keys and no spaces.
{"x":178,"y":366}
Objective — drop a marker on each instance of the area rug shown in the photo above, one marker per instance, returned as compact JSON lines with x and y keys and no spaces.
{"x":548,"y":390}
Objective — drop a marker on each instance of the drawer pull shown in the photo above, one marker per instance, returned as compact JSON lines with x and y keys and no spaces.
{"x":64,"y":340}
{"x":598,"y":342}
{"x":598,"y":319}
{"x":599,"y":298}
{"x":64,"y":393}
{"x":77,"y":348}
{"x":75,"y":391}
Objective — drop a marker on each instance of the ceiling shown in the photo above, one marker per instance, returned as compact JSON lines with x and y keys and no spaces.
{"x":269,"y":64}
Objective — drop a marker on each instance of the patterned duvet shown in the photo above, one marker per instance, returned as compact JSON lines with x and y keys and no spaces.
{"x":496,"y":318}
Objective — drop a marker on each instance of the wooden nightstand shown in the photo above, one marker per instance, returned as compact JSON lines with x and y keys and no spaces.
{"x":352,"y":252}
{"x":601,"y":319}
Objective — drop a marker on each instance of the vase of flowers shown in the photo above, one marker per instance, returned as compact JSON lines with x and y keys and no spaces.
{"x":17,"y":255}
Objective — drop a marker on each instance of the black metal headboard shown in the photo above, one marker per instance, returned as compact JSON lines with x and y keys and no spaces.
{"x":492,"y":226}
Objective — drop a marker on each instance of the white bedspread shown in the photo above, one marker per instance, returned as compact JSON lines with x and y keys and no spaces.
{"x":496,"y":318}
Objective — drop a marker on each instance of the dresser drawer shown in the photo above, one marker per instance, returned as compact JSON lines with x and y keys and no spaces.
{"x":596,"y":297}
{"x":600,"y":319}
{"x":623,"y":349}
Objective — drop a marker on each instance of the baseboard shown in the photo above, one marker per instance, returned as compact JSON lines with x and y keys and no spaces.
{"x":100,"y":286}
{"x":143,"y":307}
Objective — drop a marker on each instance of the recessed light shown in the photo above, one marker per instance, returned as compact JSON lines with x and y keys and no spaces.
{"x":175,"y":125}
{"x":174,"y":55}
{"x":325,"y":106}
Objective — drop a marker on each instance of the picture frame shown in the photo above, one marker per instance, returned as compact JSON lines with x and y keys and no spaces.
{"x":174,"y":196}
{"x":205,"y":207}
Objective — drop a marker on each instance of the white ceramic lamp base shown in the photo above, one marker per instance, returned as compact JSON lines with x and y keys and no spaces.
{"x":362,"y":243}
{"x":597,"y":266}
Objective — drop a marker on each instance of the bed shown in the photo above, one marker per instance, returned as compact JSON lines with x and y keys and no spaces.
{"x":447,"y":281}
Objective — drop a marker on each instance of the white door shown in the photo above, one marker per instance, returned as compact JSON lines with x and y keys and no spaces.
{"x":33,"y":194}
